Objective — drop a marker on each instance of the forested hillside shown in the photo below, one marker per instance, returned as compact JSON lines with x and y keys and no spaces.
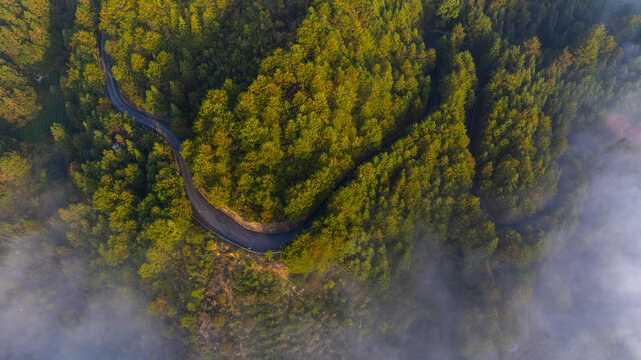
{"x":440,"y":151}
{"x":355,"y":73}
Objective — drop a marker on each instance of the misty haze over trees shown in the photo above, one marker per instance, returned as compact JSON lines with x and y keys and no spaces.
{"x":470,"y":172}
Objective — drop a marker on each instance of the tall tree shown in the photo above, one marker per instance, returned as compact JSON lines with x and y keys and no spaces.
{"x":17,"y":98}
{"x":24,"y":30}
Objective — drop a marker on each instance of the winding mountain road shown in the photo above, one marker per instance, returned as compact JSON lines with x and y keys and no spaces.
{"x":203,"y":212}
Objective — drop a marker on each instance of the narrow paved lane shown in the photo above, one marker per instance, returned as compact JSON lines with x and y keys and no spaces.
{"x":203,"y":212}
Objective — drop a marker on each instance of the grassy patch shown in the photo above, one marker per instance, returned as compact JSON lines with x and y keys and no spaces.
{"x":53,"y":111}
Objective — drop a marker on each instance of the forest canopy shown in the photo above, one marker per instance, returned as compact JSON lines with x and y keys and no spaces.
{"x":355,"y":73}
{"x":24,"y":38}
{"x":24,"y":31}
{"x":428,"y":147}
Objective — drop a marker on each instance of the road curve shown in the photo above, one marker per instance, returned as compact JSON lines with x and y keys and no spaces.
{"x":202,"y":211}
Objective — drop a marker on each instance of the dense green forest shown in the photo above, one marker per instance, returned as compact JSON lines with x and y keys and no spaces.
{"x":354,"y":73}
{"x":431,"y":144}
